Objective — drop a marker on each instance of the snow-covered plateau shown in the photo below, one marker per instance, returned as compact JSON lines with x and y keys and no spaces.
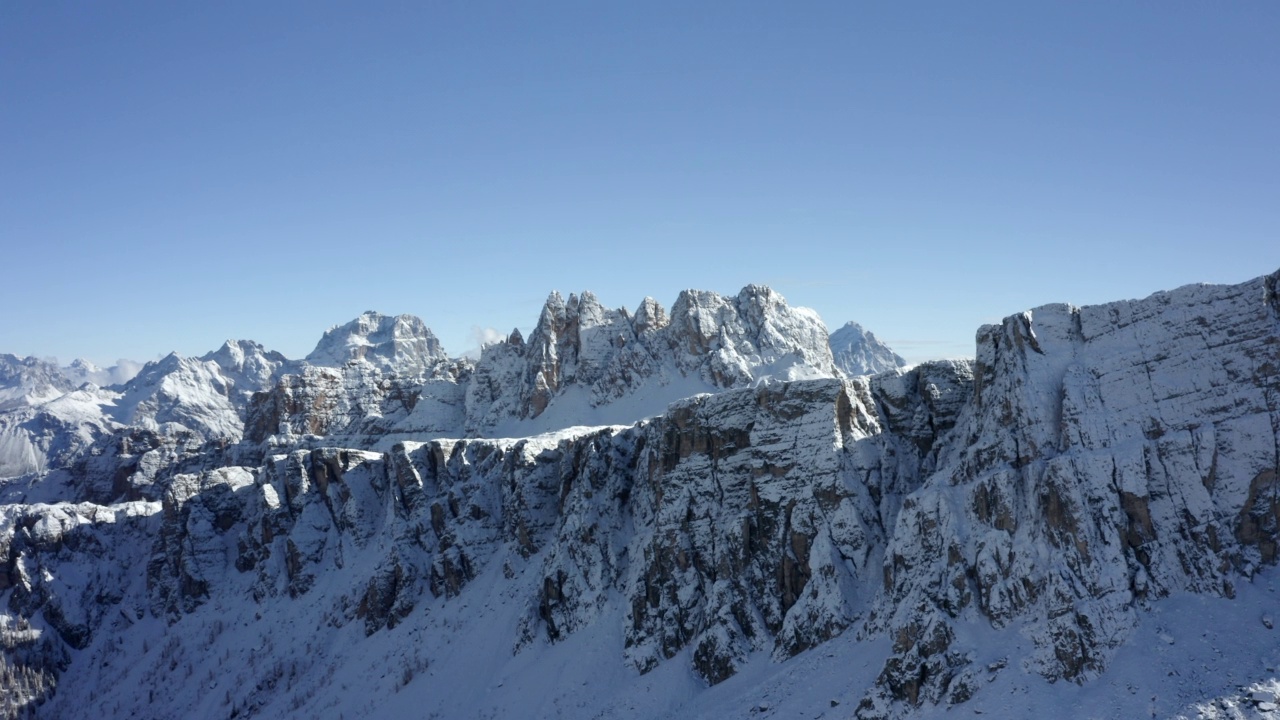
{"x":700,"y":512}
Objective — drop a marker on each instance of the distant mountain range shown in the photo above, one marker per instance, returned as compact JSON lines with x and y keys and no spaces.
{"x":379,"y":378}
{"x":612,"y":515}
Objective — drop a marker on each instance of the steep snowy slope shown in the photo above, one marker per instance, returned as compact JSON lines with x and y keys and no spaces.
{"x":48,"y":415}
{"x":203,"y":395}
{"x":53,"y":432}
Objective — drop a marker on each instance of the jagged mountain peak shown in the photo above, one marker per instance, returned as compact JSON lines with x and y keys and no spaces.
{"x":581,"y":309}
{"x":553,"y":306}
{"x":649,"y":317}
{"x":238,"y":349}
{"x":83,"y":365}
{"x":13,"y":367}
{"x":590,"y":311}
{"x":858,"y":351}
{"x":582,"y":357}
{"x":243,"y":357}
{"x":750,"y":336}
{"x":760,"y":295}
{"x":203,"y":395}
{"x":851,"y":326}
{"x":165,"y":362}
{"x":690,"y":298}
{"x":756,"y":292}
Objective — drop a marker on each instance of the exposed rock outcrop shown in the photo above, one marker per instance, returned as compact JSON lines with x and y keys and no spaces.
{"x":1110,"y":455}
{"x":359,"y":405}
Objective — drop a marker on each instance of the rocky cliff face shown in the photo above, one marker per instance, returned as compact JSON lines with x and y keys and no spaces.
{"x":358,"y":405}
{"x":1111,"y":455}
{"x":745,"y":521}
{"x":763,"y":517}
{"x":1088,"y":463}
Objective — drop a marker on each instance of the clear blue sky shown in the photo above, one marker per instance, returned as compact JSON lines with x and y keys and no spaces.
{"x":176,"y":173}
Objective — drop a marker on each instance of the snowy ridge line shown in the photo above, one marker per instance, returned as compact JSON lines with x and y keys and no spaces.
{"x":951,"y":531}
{"x":379,"y":379}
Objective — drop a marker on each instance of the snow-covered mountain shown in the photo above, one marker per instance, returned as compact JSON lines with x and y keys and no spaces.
{"x":584,"y":364}
{"x":49,"y":414}
{"x":400,"y":344}
{"x":858,"y":352}
{"x":1081,"y":520}
{"x":380,"y":379}
{"x":204,"y":395}
{"x":45,"y":419}
{"x":81,"y":371}
{"x":53,"y":426}
{"x":29,"y":381}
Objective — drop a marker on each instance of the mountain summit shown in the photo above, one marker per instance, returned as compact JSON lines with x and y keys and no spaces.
{"x":859,"y":352}
{"x":399,"y":344}
{"x":586,"y":364}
